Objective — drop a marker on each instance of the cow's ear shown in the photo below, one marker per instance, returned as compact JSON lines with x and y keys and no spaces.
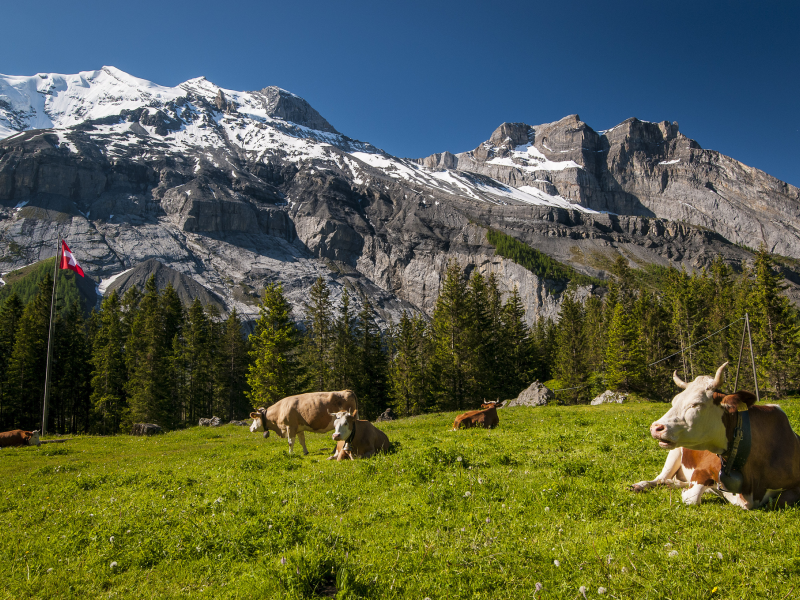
{"x":255,"y":415}
{"x":354,"y":412}
{"x":733,"y":403}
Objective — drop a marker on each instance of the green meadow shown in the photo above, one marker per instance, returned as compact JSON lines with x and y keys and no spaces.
{"x":223,"y":513}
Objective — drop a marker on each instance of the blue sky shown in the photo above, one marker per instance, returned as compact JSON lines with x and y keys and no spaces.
{"x":420,"y":77}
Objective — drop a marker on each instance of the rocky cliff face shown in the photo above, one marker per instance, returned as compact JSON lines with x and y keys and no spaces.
{"x":234,"y":190}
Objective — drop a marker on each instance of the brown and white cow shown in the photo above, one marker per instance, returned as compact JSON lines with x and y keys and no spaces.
{"x":294,"y":415}
{"x":692,"y":471}
{"x":355,"y":438}
{"x":486,"y":417}
{"x":19,"y":437}
{"x":704,"y":420}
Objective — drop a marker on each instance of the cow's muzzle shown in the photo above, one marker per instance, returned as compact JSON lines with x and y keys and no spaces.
{"x":659,"y":433}
{"x":336,"y":436}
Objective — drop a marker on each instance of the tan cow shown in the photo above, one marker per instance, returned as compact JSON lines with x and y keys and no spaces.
{"x":19,"y":437}
{"x":486,"y":417}
{"x":703,"y":419}
{"x":355,"y":438}
{"x":294,"y":415}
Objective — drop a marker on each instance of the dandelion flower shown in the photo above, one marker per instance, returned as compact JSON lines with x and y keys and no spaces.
{"x":488,"y":520}
{"x":556,"y":563}
{"x":539,"y":587}
{"x":601,"y":590}
{"x":719,"y":555}
{"x":283,"y":561}
{"x":582,"y":590}
{"x":114,"y":565}
{"x":673,"y":553}
{"x":467,"y":494}
{"x":546,"y":509}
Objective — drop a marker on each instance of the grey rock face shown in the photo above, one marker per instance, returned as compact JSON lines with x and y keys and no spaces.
{"x":212,"y":422}
{"x":387,"y":415}
{"x":221,"y":194}
{"x":536,"y":394}
{"x":609,"y":397}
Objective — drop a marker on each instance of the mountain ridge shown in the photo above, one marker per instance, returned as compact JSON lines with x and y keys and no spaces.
{"x":226,"y":188}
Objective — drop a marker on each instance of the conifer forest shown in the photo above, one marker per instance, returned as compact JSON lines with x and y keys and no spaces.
{"x":144,"y":356}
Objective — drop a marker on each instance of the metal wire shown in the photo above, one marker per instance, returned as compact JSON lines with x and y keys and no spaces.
{"x":697,"y":342}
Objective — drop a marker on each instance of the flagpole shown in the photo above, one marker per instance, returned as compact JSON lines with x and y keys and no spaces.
{"x":50,"y":341}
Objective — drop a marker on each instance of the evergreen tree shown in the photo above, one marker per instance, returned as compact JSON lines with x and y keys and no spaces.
{"x":773,"y":326}
{"x":70,"y":405}
{"x":232,"y":368}
{"x":624,"y":359}
{"x":10,"y":315}
{"x":28,"y":362}
{"x":451,"y":351}
{"x":273,"y":372}
{"x":406,"y":368}
{"x":371,"y":375}
{"x":570,"y":359}
{"x":481,"y":341}
{"x":108,"y":367}
{"x":595,"y":335}
{"x":656,"y":343}
{"x":198,"y":363}
{"x":318,"y":336}
{"x":344,"y":360}
{"x":147,"y":359}
{"x":518,"y":367}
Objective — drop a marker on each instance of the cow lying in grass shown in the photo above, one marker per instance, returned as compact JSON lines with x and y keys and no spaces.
{"x":294,"y":415}
{"x":761,"y":467}
{"x":19,"y":437}
{"x":692,"y":471}
{"x":356,"y":439}
{"x":486,"y":417}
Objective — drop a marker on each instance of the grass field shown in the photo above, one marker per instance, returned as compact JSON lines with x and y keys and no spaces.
{"x":223,"y":513}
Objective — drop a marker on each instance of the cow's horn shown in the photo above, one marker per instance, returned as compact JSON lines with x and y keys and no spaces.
{"x":717,"y":378}
{"x":678,"y":381}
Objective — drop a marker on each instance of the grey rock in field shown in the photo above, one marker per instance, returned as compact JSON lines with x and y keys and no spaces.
{"x":536,"y":394}
{"x":609,"y":397}
{"x":146,"y":429}
{"x":212,"y":422}
{"x":387,"y":415}
{"x":239,"y":423}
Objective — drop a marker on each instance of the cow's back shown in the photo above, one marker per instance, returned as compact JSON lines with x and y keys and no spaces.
{"x":17,"y":437}
{"x":312,"y":409}
{"x":775,"y":457}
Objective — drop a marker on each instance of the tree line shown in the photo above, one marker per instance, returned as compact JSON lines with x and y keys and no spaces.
{"x":144,"y":356}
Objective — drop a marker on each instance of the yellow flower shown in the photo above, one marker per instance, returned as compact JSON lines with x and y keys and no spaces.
{"x":714,"y":591}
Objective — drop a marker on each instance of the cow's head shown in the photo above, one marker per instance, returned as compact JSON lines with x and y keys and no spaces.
{"x":343,"y":423}
{"x":695,"y":419}
{"x":260,"y":422}
{"x":491,"y":404}
{"x":34,"y":439}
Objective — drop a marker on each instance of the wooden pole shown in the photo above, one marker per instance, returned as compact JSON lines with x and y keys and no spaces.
{"x":752,"y":354}
{"x":50,"y":341}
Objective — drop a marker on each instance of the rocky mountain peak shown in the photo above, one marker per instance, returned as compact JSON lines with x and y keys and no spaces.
{"x":289,"y":107}
{"x":511,"y":135}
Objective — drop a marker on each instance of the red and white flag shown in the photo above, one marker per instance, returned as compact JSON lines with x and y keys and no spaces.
{"x":68,"y":260}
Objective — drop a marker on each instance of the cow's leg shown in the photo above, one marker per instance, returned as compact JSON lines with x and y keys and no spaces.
{"x":302,"y":437}
{"x":671,"y":466}
{"x":784,"y":498}
{"x":693,"y":495}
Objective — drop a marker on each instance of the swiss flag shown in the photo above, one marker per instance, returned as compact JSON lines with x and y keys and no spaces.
{"x":68,"y":259}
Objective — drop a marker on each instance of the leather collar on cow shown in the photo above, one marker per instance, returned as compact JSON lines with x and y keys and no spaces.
{"x":352,"y":434}
{"x":735,"y":457}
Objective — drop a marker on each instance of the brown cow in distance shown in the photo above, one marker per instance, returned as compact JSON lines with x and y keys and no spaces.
{"x":486,"y":417}
{"x":18,"y":437}
{"x":294,"y":415}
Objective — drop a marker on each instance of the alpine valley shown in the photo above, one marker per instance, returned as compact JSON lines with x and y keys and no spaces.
{"x":221,"y":192}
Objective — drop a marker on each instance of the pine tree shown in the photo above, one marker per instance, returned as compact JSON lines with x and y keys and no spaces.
{"x":147,"y":359}
{"x":344,"y":361}
{"x":653,"y":321}
{"x":70,"y":405}
{"x":273,"y":372}
{"x":570,"y":357}
{"x":624,"y":359}
{"x":28,"y":362}
{"x":482,"y":342}
{"x":371,"y":376}
{"x":317,"y":340}
{"x":451,"y":350}
{"x":198,"y":362}
{"x":773,"y":326}
{"x":517,"y":371}
{"x":232,"y":368}
{"x":10,"y":315}
{"x":108,"y":361}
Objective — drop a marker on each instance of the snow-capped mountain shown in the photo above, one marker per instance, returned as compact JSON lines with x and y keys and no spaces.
{"x":235,"y":189}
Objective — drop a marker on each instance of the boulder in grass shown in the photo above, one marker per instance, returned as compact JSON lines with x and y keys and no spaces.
{"x":609,"y":397}
{"x":212,"y":422}
{"x":387,"y":415}
{"x":146,"y":429}
{"x":536,"y":394}
{"x":239,"y":423}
